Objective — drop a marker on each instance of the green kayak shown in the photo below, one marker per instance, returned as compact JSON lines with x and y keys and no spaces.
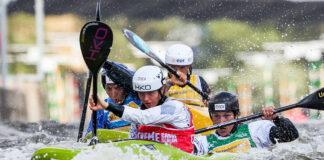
{"x":115,"y":140}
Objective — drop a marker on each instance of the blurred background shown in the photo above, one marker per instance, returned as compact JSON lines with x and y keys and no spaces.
{"x":268,"y":52}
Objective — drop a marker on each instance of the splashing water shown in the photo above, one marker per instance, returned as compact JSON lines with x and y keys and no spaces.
{"x":19,"y":140}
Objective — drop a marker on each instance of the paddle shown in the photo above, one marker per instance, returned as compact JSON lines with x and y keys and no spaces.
{"x":312,"y":101}
{"x":95,"y":41}
{"x":84,"y":108}
{"x":141,"y":45}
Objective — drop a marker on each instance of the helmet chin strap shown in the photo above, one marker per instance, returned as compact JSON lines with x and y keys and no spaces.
{"x":236,"y":124}
{"x":190,"y":70}
{"x":234,"y":128}
{"x":163,"y":97}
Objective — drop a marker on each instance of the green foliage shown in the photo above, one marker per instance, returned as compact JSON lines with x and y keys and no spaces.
{"x":158,"y":30}
{"x":21,"y":28}
{"x":21,"y":68}
{"x":223,"y":39}
{"x":299,"y":32}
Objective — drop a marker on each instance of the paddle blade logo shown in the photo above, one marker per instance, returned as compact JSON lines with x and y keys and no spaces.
{"x":320,"y":95}
{"x":95,"y":42}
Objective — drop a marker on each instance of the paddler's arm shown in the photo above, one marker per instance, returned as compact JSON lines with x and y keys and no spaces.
{"x":175,"y":81}
{"x":200,"y":146}
{"x":172,"y":112}
{"x":205,"y":88}
{"x":167,"y":87}
{"x":118,"y":110}
{"x":284,"y":131}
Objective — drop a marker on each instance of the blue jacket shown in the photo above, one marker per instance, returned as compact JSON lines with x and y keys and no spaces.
{"x":107,"y":120}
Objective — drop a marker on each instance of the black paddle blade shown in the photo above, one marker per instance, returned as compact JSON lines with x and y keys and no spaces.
{"x":314,"y":100}
{"x":95,"y":41}
{"x":139,"y":43}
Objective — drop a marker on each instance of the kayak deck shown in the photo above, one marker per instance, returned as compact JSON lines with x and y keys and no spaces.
{"x":140,"y":148}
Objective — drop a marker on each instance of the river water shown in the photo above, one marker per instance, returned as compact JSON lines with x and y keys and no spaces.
{"x":19,"y":140}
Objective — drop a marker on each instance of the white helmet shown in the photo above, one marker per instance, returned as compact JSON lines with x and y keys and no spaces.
{"x":148,"y":78}
{"x":179,"y":54}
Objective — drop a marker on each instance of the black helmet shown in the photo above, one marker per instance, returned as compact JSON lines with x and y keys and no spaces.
{"x":223,"y":101}
{"x":117,"y":73}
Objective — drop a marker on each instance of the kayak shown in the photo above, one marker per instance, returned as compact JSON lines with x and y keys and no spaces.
{"x":142,"y":148}
{"x":139,"y":148}
{"x":108,"y":135}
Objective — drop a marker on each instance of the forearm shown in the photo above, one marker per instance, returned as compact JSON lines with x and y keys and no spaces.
{"x":118,"y":110}
{"x":169,"y":113}
{"x":200,"y":146}
{"x":138,"y":116}
{"x":167,"y":87}
{"x":144,"y":117}
{"x":133,"y":115}
{"x":284,"y":131}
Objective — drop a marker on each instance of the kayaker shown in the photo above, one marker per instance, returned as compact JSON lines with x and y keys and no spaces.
{"x":160,"y":118}
{"x":116,"y":95}
{"x":224,"y":106}
{"x":180,"y":58}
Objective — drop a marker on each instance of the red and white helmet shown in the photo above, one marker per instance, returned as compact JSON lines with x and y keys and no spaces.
{"x":179,"y":54}
{"x":148,"y":78}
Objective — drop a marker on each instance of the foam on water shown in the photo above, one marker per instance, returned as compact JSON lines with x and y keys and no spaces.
{"x":309,"y":145}
{"x":107,"y":152}
{"x":18,"y":143}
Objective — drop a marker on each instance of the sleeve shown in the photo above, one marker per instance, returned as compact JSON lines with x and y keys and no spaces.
{"x":260,"y":131}
{"x":171,"y":112}
{"x":117,"y":123}
{"x":133,"y":131}
{"x":200,"y":145}
{"x":283,"y":131}
{"x":204,"y":85}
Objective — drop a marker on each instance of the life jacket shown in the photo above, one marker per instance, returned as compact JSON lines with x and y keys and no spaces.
{"x":168,"y":134}
{"x":239,"y":141}
{"x":186,"y":94}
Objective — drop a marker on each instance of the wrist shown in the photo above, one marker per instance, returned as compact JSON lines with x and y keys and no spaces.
{"x":169,"y":82}
{"x":106,"y":105}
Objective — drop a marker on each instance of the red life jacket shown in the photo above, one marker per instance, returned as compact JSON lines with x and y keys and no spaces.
{"x":168,"y":134}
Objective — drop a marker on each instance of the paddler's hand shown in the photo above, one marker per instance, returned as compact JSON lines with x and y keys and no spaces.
{"x":178,"y":81}
{"x":101,"y":105}
{"x":268,"y":113}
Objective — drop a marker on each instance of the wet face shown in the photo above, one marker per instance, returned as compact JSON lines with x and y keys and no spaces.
{"x":220,"y":117}
{"x":183,"y":69}
{"x":150,"y":99}
{"x":116,"y":93}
